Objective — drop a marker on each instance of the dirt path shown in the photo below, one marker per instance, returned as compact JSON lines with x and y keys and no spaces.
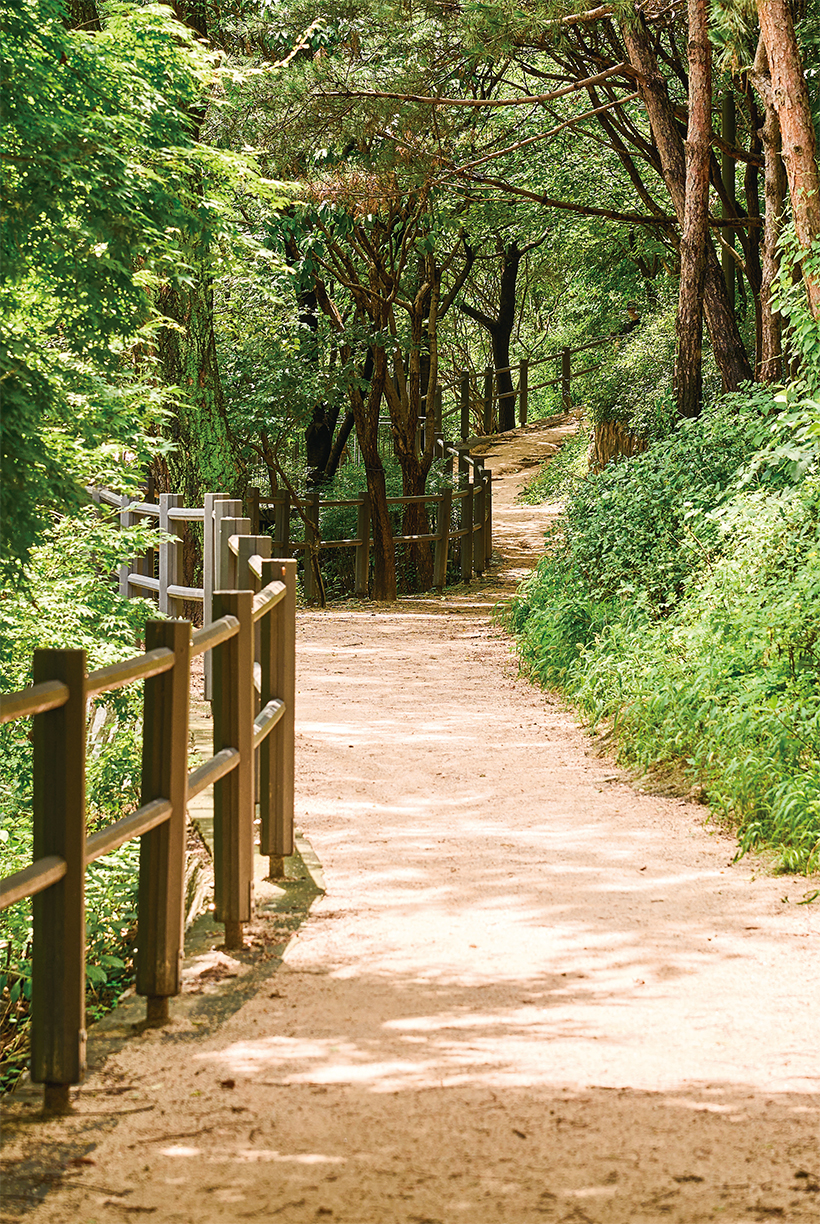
{"x":529,"y":994}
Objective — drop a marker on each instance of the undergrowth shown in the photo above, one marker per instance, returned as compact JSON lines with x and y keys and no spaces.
{"x":559,"y":477}
{"x":680,"y":603}
{"x":68,"y":605}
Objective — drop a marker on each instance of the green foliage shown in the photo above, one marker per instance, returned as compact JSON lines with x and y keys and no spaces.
{"x":559,"y":476}
{"x":94,"y":193}
{"x":791,"y":301}
{"x":641,"y":525}
{"x":75,"y":606}
{"x":683,"y":606}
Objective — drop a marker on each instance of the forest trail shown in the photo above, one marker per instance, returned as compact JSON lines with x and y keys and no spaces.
{"x":530,"y":993}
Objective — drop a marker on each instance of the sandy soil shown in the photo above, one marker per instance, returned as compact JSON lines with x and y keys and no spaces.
{"x":530,"y":993}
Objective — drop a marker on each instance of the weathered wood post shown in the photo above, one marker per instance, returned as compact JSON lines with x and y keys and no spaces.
{"x":127,"y":519}
{"x":363,"y":547}
{"x":467,"y":537}
{"x":488,"y":400}
{"x":252,"y":508}
{"x":226,"y":570}
{"x":312,"y":538}
{"x":58,"y":946}
{"x":281,"y":530}
{"x":233,"y":793}
{"x":566,"y":376}
{"x":463,"y":456}
{"x":161,"y":899}
{"x":216,"y":507}
{"x":445,"y":504}
{"x":169,"y":554}
{"x":276,"y":753}
{"x":464,"y":398}
{"x":488,"y":519}
{"x":523,"y":390}
{"x":479,"y":515}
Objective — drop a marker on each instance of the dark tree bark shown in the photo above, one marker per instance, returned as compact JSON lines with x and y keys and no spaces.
{"x":790,"y":100}
{"x":364,"y":409}
{"x":366,"y":413}
{"x":727,"y":343}
{"x":81,"y":15}
{"x":689,"y":323}
{"x":770,"y":368}
{"x":501,"y":329}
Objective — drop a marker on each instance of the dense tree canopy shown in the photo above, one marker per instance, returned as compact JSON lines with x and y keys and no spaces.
{"x":458,"y":185}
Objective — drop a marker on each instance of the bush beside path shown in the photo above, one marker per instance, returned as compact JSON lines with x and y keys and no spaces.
{"x":531,"y":992}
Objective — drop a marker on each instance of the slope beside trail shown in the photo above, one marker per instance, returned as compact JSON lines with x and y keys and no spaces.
{"x":530,"y":992}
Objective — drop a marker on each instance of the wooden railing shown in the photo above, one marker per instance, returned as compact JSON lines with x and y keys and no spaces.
{"x":460,"y":385}
{"x":222,"y":518}
{"x":253,"y":713}
{"x":475,"y":533}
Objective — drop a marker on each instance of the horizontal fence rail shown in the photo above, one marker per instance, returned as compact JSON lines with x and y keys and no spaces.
{"x":251,"y":634}
{"x":473,"y":500}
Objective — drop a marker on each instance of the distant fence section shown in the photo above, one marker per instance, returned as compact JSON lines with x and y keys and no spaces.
{"x":462,"y":397}
{"x":462,"y":517}
{"x":251,"y":637}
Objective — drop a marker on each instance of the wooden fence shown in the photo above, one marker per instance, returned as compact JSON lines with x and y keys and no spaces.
{"x":251,"y":635}
{"x":491,"y":396}
{"x":473,"y":501}
{"x":222,"y":518}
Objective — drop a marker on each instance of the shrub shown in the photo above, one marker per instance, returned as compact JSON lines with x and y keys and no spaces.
{"x":73,"y":604}
{"x":682,"y":604}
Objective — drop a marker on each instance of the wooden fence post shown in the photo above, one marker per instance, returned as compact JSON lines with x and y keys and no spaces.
{"x":233,"y":703}
{"x":312,"y":538}
{"x":488,"y":400}
{"x":488,"y":519}
{"x":478,"y":521}
{"x":226,"y":570}
{"x":252,"y":507}
{"x":281,"y":530}
{"x":566,"y":375}
{"x":169,"y":554}
{"x":464,"y":396}
{"x":445,"y":503}
{"x":161,"y":904}
{"x":523,"y":390}
{"x":127,"y":519}
{"x":363,"y":547}
{"x":467,"y":538}
{"x":58,"y":949}
{"x":210,"y":537}
{"x":276,"y":753}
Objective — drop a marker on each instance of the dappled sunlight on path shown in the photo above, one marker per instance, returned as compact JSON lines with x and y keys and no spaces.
{"x":530,"y":992}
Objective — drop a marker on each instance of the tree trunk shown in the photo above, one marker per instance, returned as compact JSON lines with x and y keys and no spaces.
{"x":771,"y":340}
{"x":366,"y":414}
{"x":612,"y":440}
{"x":689,"y":323}
{"x":203,"y":459}
{"x":501,"y":330}
{"x":416,"y":521}
{"x":791,"y":102}
{"x":727,"y":344}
